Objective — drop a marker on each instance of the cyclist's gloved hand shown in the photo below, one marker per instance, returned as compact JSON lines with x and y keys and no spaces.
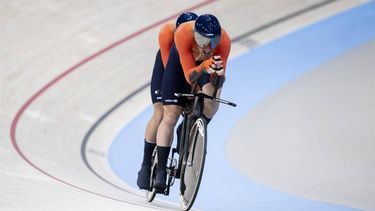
{"x":220,"y":72}
{"x":212,"y":64}
{"x":219,"y":68}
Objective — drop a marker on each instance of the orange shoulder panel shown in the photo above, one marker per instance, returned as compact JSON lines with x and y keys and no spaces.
{"x":166,"y":37}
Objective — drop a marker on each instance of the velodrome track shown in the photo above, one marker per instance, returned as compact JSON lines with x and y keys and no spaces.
{"x":74,"y":79}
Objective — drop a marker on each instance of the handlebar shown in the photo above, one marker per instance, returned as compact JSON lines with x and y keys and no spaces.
{"x":203,"y":95}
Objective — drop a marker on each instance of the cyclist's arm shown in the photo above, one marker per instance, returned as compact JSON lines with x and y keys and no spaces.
{"x":184,"y":43}
{"x":166,"y":36}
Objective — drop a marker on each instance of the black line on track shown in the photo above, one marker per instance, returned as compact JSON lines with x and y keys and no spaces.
{"x":96,"y":124}
{"x":282,"y":19}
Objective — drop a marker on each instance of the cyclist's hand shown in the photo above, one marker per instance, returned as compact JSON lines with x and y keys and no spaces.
{"x":218,"y":63}
{"x":212,"y":64}
{"x":219,"y":68}
{"x":220,"y":72}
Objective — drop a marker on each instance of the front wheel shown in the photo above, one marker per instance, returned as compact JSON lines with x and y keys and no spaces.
{"x":193,"y":164}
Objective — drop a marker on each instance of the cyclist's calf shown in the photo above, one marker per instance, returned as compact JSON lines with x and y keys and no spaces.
{"x":210,"y":108}
{"x":154,"y":122}
{"x":165,"y":131}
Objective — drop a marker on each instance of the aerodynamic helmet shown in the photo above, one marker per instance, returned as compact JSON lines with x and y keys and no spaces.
{"x":184,"y":17}
{"x":207,"y":30}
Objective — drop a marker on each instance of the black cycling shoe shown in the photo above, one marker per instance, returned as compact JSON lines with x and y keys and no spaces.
{"x":160,"y":181}
{"x":143,"y":180}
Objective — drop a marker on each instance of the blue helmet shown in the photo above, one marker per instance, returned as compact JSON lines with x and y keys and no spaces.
{"x":208,"y":26}
{"x":185,"y":17}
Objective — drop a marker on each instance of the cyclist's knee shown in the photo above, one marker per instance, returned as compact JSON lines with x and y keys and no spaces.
{"x":171,"y":114}
{"x":169,"y":121}
{"x":158,"y":112}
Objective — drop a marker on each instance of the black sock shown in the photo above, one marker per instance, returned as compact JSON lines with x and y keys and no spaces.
{"x":147,"y":153}
{"x":163,"y":153}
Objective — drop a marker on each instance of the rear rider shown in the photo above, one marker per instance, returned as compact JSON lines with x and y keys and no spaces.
{"x":166,"y":40}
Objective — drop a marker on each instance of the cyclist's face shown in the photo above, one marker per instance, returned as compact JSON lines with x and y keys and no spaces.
{"x":204,"y":42}
{"x":201,"y":41}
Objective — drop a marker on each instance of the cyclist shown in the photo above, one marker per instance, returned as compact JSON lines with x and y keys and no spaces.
{"x":166,"y":40}
{"x":199,"y":54}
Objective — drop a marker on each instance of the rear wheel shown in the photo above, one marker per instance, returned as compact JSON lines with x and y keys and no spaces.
{"x":150,"y":194}
{"x":192,"y":168}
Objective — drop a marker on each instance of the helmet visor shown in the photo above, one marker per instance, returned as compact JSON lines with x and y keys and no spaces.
{"x":203,"y":41}
{"x":215,"y":41}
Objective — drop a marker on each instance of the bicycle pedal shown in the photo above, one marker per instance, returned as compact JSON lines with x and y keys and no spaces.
{"x":172,"y":163}
{"x":171,"y":171}
{"x":172,"y":175}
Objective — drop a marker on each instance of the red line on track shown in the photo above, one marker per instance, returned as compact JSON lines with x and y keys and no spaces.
{"x":20,"y":112}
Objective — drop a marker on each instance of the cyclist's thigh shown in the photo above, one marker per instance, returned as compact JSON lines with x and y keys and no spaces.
{"x":156,"y":79}
{"x":174,"y":80}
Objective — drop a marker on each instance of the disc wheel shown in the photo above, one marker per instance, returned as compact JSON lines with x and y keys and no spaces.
{"x":193,"y":166}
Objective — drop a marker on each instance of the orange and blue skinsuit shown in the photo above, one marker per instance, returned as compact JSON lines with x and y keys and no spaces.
{"x":188,"y":62}
{"x":166,"y":40}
